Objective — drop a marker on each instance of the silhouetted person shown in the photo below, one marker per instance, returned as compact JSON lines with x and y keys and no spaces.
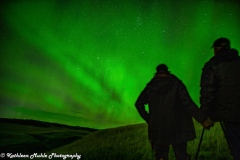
{"x":170,"y":114}
{"x":220,"y":91}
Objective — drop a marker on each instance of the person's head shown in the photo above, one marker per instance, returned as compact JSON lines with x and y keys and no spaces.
{"x":162,"y":68}
{"x":221,"y":44}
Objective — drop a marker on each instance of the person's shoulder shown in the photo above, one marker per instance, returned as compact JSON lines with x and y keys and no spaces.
{"x":210,"y":63}
{"x":235,"y":51}
{"x":175,"y":78}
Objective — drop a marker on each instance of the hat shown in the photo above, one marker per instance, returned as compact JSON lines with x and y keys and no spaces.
{"x":221,"y":42}
{"x":162,"y":67}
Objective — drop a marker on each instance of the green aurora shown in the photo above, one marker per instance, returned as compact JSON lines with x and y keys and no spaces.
{"x":85,"y":62}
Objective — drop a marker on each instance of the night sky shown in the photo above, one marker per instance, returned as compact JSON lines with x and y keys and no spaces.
{"x":85,"y":62}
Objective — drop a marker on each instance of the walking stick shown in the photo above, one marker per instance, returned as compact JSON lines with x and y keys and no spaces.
{"x":225,"y":135}
{"x":224,"y":130}
{"x":199,"y":145}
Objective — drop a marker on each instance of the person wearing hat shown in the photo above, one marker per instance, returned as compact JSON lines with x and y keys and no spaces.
{"x":220,"y":92}
{"x":170,"y":114}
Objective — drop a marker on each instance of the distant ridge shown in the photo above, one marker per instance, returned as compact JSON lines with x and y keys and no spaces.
{"x":32,"y":136}
{"x":38,"y":123}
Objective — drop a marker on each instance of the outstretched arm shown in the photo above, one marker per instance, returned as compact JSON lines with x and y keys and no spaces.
{"x":189,"y":105}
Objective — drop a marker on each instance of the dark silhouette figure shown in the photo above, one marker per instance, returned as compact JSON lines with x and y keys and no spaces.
{"x":220,"y":91}
{"x":170,"y":114}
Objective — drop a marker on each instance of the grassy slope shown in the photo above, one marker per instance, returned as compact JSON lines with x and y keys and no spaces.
{"x":29,"y":136}
{"x":131,"y":143}
{"x":127,"y":142}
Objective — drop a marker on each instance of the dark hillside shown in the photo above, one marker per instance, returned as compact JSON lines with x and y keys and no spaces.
{"x":29,"y":136}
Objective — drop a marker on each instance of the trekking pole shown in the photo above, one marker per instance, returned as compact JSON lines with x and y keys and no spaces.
{"x":225,"y":135}
{"x":223,"y":128}
{"x":199,"y":145}
{"x":153,"y":156}
{"x":152,"y":148}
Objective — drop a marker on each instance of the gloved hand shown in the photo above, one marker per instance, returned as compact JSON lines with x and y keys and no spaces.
{"x":208,"y":123}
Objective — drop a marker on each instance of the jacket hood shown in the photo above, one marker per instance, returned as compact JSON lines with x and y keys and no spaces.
{"x":227,"y":55}
{"x":161,"y":84}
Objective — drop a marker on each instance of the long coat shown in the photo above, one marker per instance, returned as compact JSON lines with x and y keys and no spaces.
{"x":170,"y":110}
{"x":220,"y":86}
